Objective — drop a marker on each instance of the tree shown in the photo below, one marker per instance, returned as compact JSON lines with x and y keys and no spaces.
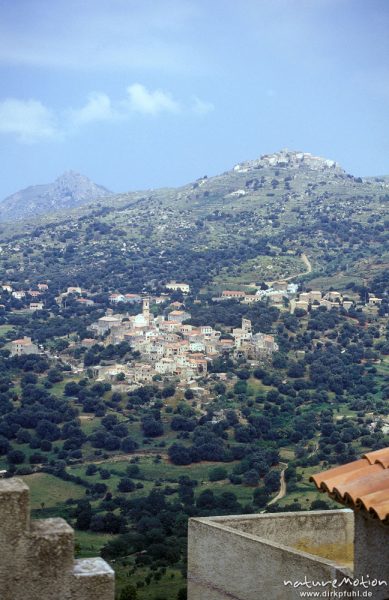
{"x":272,"y":481}
{"x":151,"y":427}
{"x":91,"y":469}
{"x":126,"y":485}
{"x":16,"y":457}
{"x":168,"y":391}
{"x":54,"y":376}
{"x":251,"y":477}
{"x":206,"y":500}
{"x":128,"y":445}
{"x":180,"y":455}
{"x":71,"y":389}
{"x":217,"y":474}
{"x":84,"y":515}
{"x":128,"y":593}
{"x":261,"y":497}
{"x":4,"y":445}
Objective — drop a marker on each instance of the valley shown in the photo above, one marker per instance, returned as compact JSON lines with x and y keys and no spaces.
{"x":193,"y":352}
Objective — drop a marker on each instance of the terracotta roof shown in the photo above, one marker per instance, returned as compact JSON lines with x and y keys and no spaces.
{"x":235,"y":292}
{"x":22,"y":341}
{"x":361,"y":485}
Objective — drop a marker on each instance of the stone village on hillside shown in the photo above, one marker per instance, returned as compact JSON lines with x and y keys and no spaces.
{"x":168,"y":345}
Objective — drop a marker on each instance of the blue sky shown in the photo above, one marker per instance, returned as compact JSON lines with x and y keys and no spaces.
{"x":139,"y":94}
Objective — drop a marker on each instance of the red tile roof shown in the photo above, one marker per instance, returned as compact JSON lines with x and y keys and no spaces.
{"x":361,"y":485}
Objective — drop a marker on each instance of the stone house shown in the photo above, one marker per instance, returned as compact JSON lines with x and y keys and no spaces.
{"x":182,"y":287}
{"x":374,"y":301}
{"x":265,"y":342}
{"x":36,"y":306}
{"x":312,"y":296}
{"x":116,"y":298}
{"x":347,"y":304}
{"x":251,"y":298}
{"x":73,"y":290}
{"x":19,"y":295}
{"x":303,"y":304}
{"x":88,"y":342}
{"x":178,"y":316}
{"x":85,"y":301}
{"x":333,"y":296}
{"x":23,"y":346}
{"x":281,"y":286}
{"x":165,"y":366}
{"x":327,"y":303}
{"x":196,"y":346}
{"x":104,"y":324}
{"x":233,"y":294}
{"x":276,"y":298}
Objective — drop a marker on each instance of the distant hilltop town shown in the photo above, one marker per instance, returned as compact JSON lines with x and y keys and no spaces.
{"x":172,"y":346}
{"x":167,"y":344}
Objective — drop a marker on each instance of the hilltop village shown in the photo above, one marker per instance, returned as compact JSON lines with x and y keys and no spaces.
{"x":167,"y":344}
{"x":158,"y":330}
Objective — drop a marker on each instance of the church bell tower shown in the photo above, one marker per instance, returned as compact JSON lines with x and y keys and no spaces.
{"x":146,"y":309}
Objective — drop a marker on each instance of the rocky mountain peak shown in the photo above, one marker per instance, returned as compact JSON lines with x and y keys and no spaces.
{"x":69,"y":190}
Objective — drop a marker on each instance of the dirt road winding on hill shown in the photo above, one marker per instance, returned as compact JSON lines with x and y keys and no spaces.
{"x":306,"y":260}
{"x":307,"y":263}
{"x":282,"y":491}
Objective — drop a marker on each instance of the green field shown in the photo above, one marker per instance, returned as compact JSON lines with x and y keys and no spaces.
{"x":89,"y":544}
{"x":50,"y":490}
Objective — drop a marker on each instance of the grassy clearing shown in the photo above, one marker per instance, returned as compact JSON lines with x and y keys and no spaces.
{"x":4,"y":329}
{"x":261,"y":268}
{"x":165,"y":473}
{"x":51,"y":490}
{"x":166,"y":587}
{"x":89,"y":544}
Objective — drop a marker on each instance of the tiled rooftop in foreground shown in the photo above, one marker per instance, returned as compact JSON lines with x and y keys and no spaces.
{"x":361,"y":485}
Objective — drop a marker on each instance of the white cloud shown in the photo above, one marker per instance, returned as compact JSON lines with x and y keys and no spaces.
{"x":200,"y":107}
{"x":31,"y":121}
{"x":143,"y":101}
{"x":98,"y":108}
{"x":28,"y":120}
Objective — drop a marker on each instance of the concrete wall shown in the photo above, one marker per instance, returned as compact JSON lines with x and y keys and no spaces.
{"x":371,"y":558}
{"x":36,"y":558}
{"x":250,"y":557}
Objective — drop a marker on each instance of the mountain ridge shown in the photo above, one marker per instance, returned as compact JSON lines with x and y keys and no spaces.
{"x":64,"y":195}
{"x":230,"y":229}
{"x":69,"y":190}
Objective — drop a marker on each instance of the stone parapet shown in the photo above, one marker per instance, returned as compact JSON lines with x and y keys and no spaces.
{"x":248,"y":557}
{"x":37,"y":557}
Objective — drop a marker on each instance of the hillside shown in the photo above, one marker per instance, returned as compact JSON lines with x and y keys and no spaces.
{"x":127,"y":417}
{"x":249,"y":224}
{"x":70,"y":190}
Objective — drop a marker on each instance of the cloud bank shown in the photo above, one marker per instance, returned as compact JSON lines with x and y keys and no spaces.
{"x":30,"y":121}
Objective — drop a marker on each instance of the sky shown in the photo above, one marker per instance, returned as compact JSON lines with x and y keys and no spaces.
{"x":139,"y":94}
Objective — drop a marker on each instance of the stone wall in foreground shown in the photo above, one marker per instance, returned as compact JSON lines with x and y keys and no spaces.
{"x":37,"y":557}
{"x":250,"y":557}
